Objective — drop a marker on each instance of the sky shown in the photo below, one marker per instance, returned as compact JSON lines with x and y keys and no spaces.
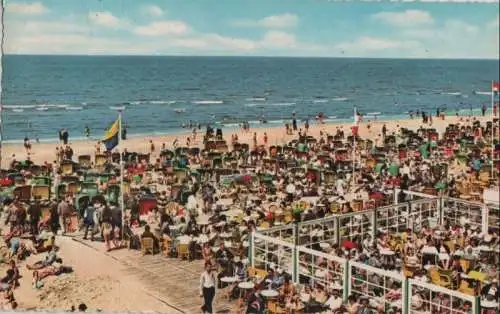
{"x":301,"y":28}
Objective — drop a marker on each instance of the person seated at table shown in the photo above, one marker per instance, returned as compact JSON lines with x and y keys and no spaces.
{"x":294,"y":304}
{"x":255,"y":302}
{"x":241,"y":274}
{"x":319,"y":294}
{"x":286,"y":290}
{"x":352,"y":305}
{"x":148,"y":234}
{"x":223,"y":256}
{"x":153,"y":216}
{"x":441,"y":304}
{"x":466,"y":307}
{"x":364,"y":306}
{"x":273,"y":279}
{"x":456,"y":270}
{"x":394,"y":293}
{"x":50,"y":259}
{"x":491,"y":291}
{"x":334,"y":302}
{"x":182,"y":226}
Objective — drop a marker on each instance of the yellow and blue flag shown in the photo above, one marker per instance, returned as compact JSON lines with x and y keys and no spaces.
{"x":112,"y":136}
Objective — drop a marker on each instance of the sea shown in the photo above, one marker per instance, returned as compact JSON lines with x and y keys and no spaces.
{"x":164,"y":94}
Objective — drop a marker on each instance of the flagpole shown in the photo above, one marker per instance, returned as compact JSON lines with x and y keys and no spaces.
{"x":122,"y":201}
{"x":354,"y":144}
{"x":492,"y":129}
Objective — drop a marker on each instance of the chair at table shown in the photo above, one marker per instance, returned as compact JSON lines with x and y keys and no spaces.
{"x":274,"y":308}
{"x":183,"y":251}
{"x":168,"y":247}
{"x":465,"y":264}
{"x":252,"y":272}
{"x":465,"y":289}
{"x":147,"y":245}
{"x":261,"y":273}
{"x":439,"y":279}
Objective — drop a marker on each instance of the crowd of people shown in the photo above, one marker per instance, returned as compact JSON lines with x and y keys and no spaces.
{"x":204,"y":204}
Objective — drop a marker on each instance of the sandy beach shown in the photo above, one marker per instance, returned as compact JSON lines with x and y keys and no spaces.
{"x":45,"y":152}
{"x":97,"y":280}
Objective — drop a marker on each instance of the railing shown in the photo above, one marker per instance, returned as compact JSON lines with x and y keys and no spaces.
{"x":284,"y":232}
{"x":385,"y":289}
{"x":457,"y":211}
{"x":429,"y":298}
{"x":493,"y":218}
{"x":317,"y":231}
{"x":317,"y":267}
{"x":271,"y":253}
{"x":297,"y":249}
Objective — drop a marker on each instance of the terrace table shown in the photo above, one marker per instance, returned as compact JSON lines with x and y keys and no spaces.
{"x":487,"y":304}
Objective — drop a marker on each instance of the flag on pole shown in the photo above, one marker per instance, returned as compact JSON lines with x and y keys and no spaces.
{"x":112,"y":136}
{"x":495,"y":87}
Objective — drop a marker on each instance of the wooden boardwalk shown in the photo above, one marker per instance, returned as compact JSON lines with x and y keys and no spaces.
{"x":172,"y":281}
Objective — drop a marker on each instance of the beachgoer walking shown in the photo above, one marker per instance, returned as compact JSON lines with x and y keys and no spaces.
{"x":124,"y":133}
{"x":27,"y":145}
{"x":35,"y":213}
{"x":87,"y":131}
{"x":483,"y":110}
{"x":208,"y":282}
{"x":65,"y":136}
{"x":265,"y":138}
{"x":254,"y":139}
{"x":63,"y":210}
{"x":151,"y":147}
{"x":294,"y":122}
{"x":89,"y":219}
{"x":107,"y":227}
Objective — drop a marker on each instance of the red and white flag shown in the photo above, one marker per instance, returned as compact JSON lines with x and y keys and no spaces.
{"x":495,"y":87}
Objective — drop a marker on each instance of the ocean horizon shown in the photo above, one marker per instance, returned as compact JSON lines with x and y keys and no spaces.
{"x":42,"y":93}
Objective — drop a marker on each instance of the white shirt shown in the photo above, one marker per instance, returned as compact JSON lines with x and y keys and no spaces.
{"x":334,"y":303}
{"x":207,"y":281}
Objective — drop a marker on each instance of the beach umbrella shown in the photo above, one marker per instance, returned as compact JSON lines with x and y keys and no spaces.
{"x":349,"y":245}
{"x":377,"y":195}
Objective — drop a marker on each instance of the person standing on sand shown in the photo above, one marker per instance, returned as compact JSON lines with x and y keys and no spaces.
{"x":294,"y":122}
{"x":208,"y":282}
{"x":63,"y":211}
{"x":65,"y":136}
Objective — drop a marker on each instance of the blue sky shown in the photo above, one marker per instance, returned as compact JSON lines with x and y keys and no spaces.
{"x":253,"y":27}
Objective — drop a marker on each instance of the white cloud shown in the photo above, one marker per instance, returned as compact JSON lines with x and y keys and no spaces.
{"x":35,"y":8}
{"x":368,"y":44}
{"x":406,"y":18}
{"x":153,"y":10}
{"x":49,"y":27}
{"x":279,"y":39}
{"x":163,"y":28}
{"x":285,"y":20}
{"x":104,"y":18}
